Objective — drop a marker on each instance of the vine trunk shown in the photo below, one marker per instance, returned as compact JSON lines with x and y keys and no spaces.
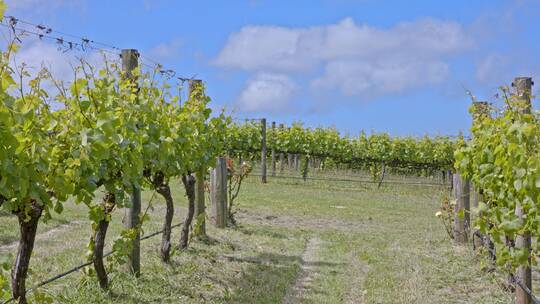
{"x":28,"y":223}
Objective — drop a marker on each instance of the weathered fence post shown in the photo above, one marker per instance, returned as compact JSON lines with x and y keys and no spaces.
{"x":273,"y":150}
{"x":130,"y":61}
{"x":443,"y":177}
{"x":263,"y":151}
{"x":461,"y":209}
{"x":218,"y":193}
{"x":480,"y":110}
{"x":290,"y":160}
{"x":281,"y":154}
{"x":305,"y":168}
{"x":523,"y":89}
{"x":467,"y":205}
{"x":200,"y":214}
{"x":478,"y":238}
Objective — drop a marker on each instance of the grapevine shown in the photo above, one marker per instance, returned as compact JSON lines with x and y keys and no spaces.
{"x":503,"y":161}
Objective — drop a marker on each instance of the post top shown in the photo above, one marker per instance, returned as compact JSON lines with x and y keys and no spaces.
{"x":129,"y":52}
{"x":525,"y":81}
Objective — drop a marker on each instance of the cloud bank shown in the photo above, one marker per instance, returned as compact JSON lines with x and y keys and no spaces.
{"x":267,"y":92}
{"x":356,"y":59}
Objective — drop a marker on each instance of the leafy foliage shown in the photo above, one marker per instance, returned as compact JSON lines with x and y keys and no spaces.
{"x":408,"y":152}
{"x":109,"y":130}
{"x":503,"y":161}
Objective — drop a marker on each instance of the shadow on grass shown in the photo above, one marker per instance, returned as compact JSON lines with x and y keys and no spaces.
{"x":266,"y":277}
{"x":209,"y":271}
{"x":279,"y":260}
{"x":6,"y":240}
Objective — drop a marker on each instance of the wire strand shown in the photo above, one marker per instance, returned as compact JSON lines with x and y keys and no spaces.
{"x":43,"y":31}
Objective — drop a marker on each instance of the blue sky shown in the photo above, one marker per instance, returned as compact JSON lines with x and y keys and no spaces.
{"x":397,"y":66}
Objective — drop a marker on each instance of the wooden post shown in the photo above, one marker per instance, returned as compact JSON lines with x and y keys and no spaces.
{"x":523,"y":86}
{"x":480,"y":110}
{"x":466,"y":192}
{"x":281,"y":155}
{"x":218,"y":193}
{"x":290,"y":160}
{"x":200,"y":215}
{"x":461,"y":195}
{"x":443,"y":177}
{"x":273,"y":150}
{"x":305,"y":168}
{"x":263,"y":151}
{"x":478,"y":238}
{"x":130,"y":61}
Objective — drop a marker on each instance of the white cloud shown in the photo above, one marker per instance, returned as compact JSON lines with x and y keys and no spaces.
{"x":164,"y":51}
{"x":263,"y":47}
{"x":35,"y":55}
{"x":281,"y":48}
{"x":492,"y":68}
{"x":36,"y":5}
{"x":357,"y":58}
{"x":497,"y":69}
{"x":267,"y":92}
{"x":371,"y":79}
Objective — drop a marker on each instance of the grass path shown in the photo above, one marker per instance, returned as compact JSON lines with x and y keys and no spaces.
{"x":308,"y":271}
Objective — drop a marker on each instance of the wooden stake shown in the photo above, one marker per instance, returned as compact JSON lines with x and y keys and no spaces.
{"x":263,"y":151}
{"x":523,"y":86}
{"x":290,"y":160}
{"x":281,"y":155}
{"x":480,"y":110}
{"x":460,"y":195}
{"x":218,"y":193}
{"x":200,"y":216}
{"x":273,"y":151}
{"x":129,"y":63}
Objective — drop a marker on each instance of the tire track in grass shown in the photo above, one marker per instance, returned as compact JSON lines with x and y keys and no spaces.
{"x":308,"y":271}
{"x":44,"y":235}
{"x":63,"y":227}
{"x":356,"y":291}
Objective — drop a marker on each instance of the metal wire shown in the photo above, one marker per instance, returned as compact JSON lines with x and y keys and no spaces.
{"x":46,"y":32}
{"x":525,"y":288}
{"x":351,"y":180}
{"x":68,"y":45}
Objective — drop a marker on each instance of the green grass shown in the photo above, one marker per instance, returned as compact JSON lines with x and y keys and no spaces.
{"x":376,"y":246}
